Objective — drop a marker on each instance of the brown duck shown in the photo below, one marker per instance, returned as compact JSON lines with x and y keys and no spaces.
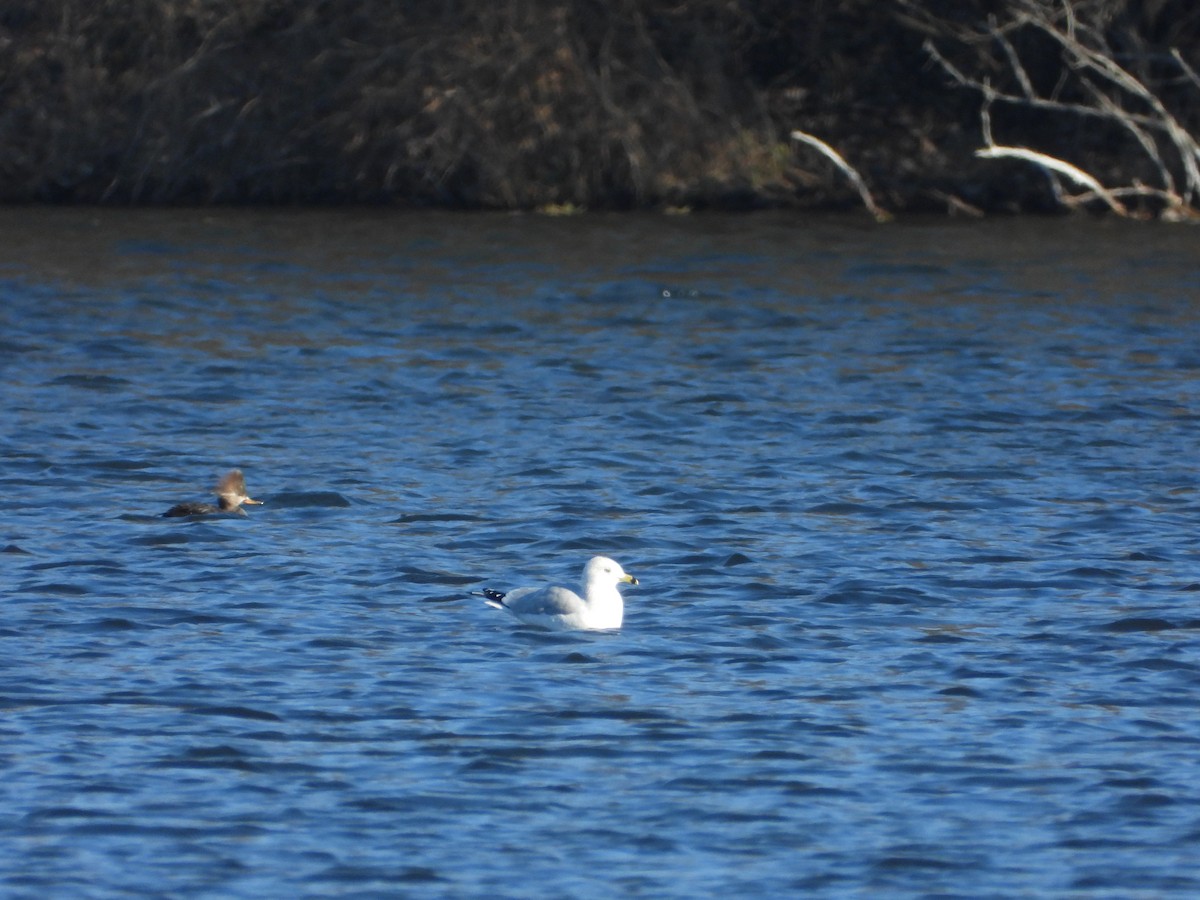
{"x":231,"y":494}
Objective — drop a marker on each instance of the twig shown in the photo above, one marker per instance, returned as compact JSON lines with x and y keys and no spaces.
{"x":993,"y":94}
{"x":1183,"y":64}
{"x":1014,"y":62}
{"x":985,"y":122}
{"x":1139,"y":134}
{"x":957,"y":204}
{"x":848,"y":170}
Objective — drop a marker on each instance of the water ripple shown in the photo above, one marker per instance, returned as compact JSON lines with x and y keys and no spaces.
{"x":912,"y":514}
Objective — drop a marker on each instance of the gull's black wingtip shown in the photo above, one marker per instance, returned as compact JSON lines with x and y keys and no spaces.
{"x":493,"y":598}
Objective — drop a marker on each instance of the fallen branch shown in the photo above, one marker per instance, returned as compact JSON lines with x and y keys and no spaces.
{"x":956,"y":205}
{"x":881,"y":215}
{"x":1075,"y":174}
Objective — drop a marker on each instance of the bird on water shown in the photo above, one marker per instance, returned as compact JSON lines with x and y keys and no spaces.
{"x":600,"y":608}
{"x":231,"y":494}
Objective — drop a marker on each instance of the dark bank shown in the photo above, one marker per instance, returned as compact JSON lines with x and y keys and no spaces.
{"x":960,"y":106}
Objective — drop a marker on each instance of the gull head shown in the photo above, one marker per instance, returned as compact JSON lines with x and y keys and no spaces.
{"x":602,"y":570}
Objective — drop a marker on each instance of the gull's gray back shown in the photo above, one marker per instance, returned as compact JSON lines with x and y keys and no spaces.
{"x":548,"y":601}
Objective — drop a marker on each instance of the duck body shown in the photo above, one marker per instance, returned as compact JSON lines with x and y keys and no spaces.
{"x":193,"y":509}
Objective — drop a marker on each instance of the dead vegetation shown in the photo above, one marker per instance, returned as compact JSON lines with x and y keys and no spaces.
{"x":603,"y":103}
{"x":1087,"y":66}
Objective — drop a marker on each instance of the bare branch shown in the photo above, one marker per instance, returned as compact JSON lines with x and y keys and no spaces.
{"x":1139,"y":134}
{"x":956,"y":205}
{"x":1085,"y":57}
{"x":1034,"y":102}
{"x":848,"y":170}
{"x":1075,"y":174}
{"x":1109,"y":91}
{"x":1187,"y":70}
{"x":1014,"y":61}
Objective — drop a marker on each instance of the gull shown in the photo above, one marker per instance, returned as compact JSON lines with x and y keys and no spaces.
{"x":559,"y":608}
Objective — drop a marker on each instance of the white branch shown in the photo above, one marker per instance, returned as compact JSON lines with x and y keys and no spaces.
{"x":1187,"y":70}
{"x":848,"y":170}
{"x":1074,"y":173}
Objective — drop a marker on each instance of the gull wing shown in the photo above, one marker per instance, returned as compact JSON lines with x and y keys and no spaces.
{"x":547,"y":601}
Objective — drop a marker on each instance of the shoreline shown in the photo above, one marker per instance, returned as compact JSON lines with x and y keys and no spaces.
{"x":910,"y":109}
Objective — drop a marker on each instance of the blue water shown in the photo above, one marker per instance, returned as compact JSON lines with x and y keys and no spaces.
{"x":914,"y":511}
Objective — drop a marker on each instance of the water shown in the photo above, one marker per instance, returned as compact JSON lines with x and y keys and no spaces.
{"x":913,"y":509}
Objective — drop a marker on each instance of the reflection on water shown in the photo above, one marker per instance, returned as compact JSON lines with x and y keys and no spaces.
{"x":912,"y":509}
